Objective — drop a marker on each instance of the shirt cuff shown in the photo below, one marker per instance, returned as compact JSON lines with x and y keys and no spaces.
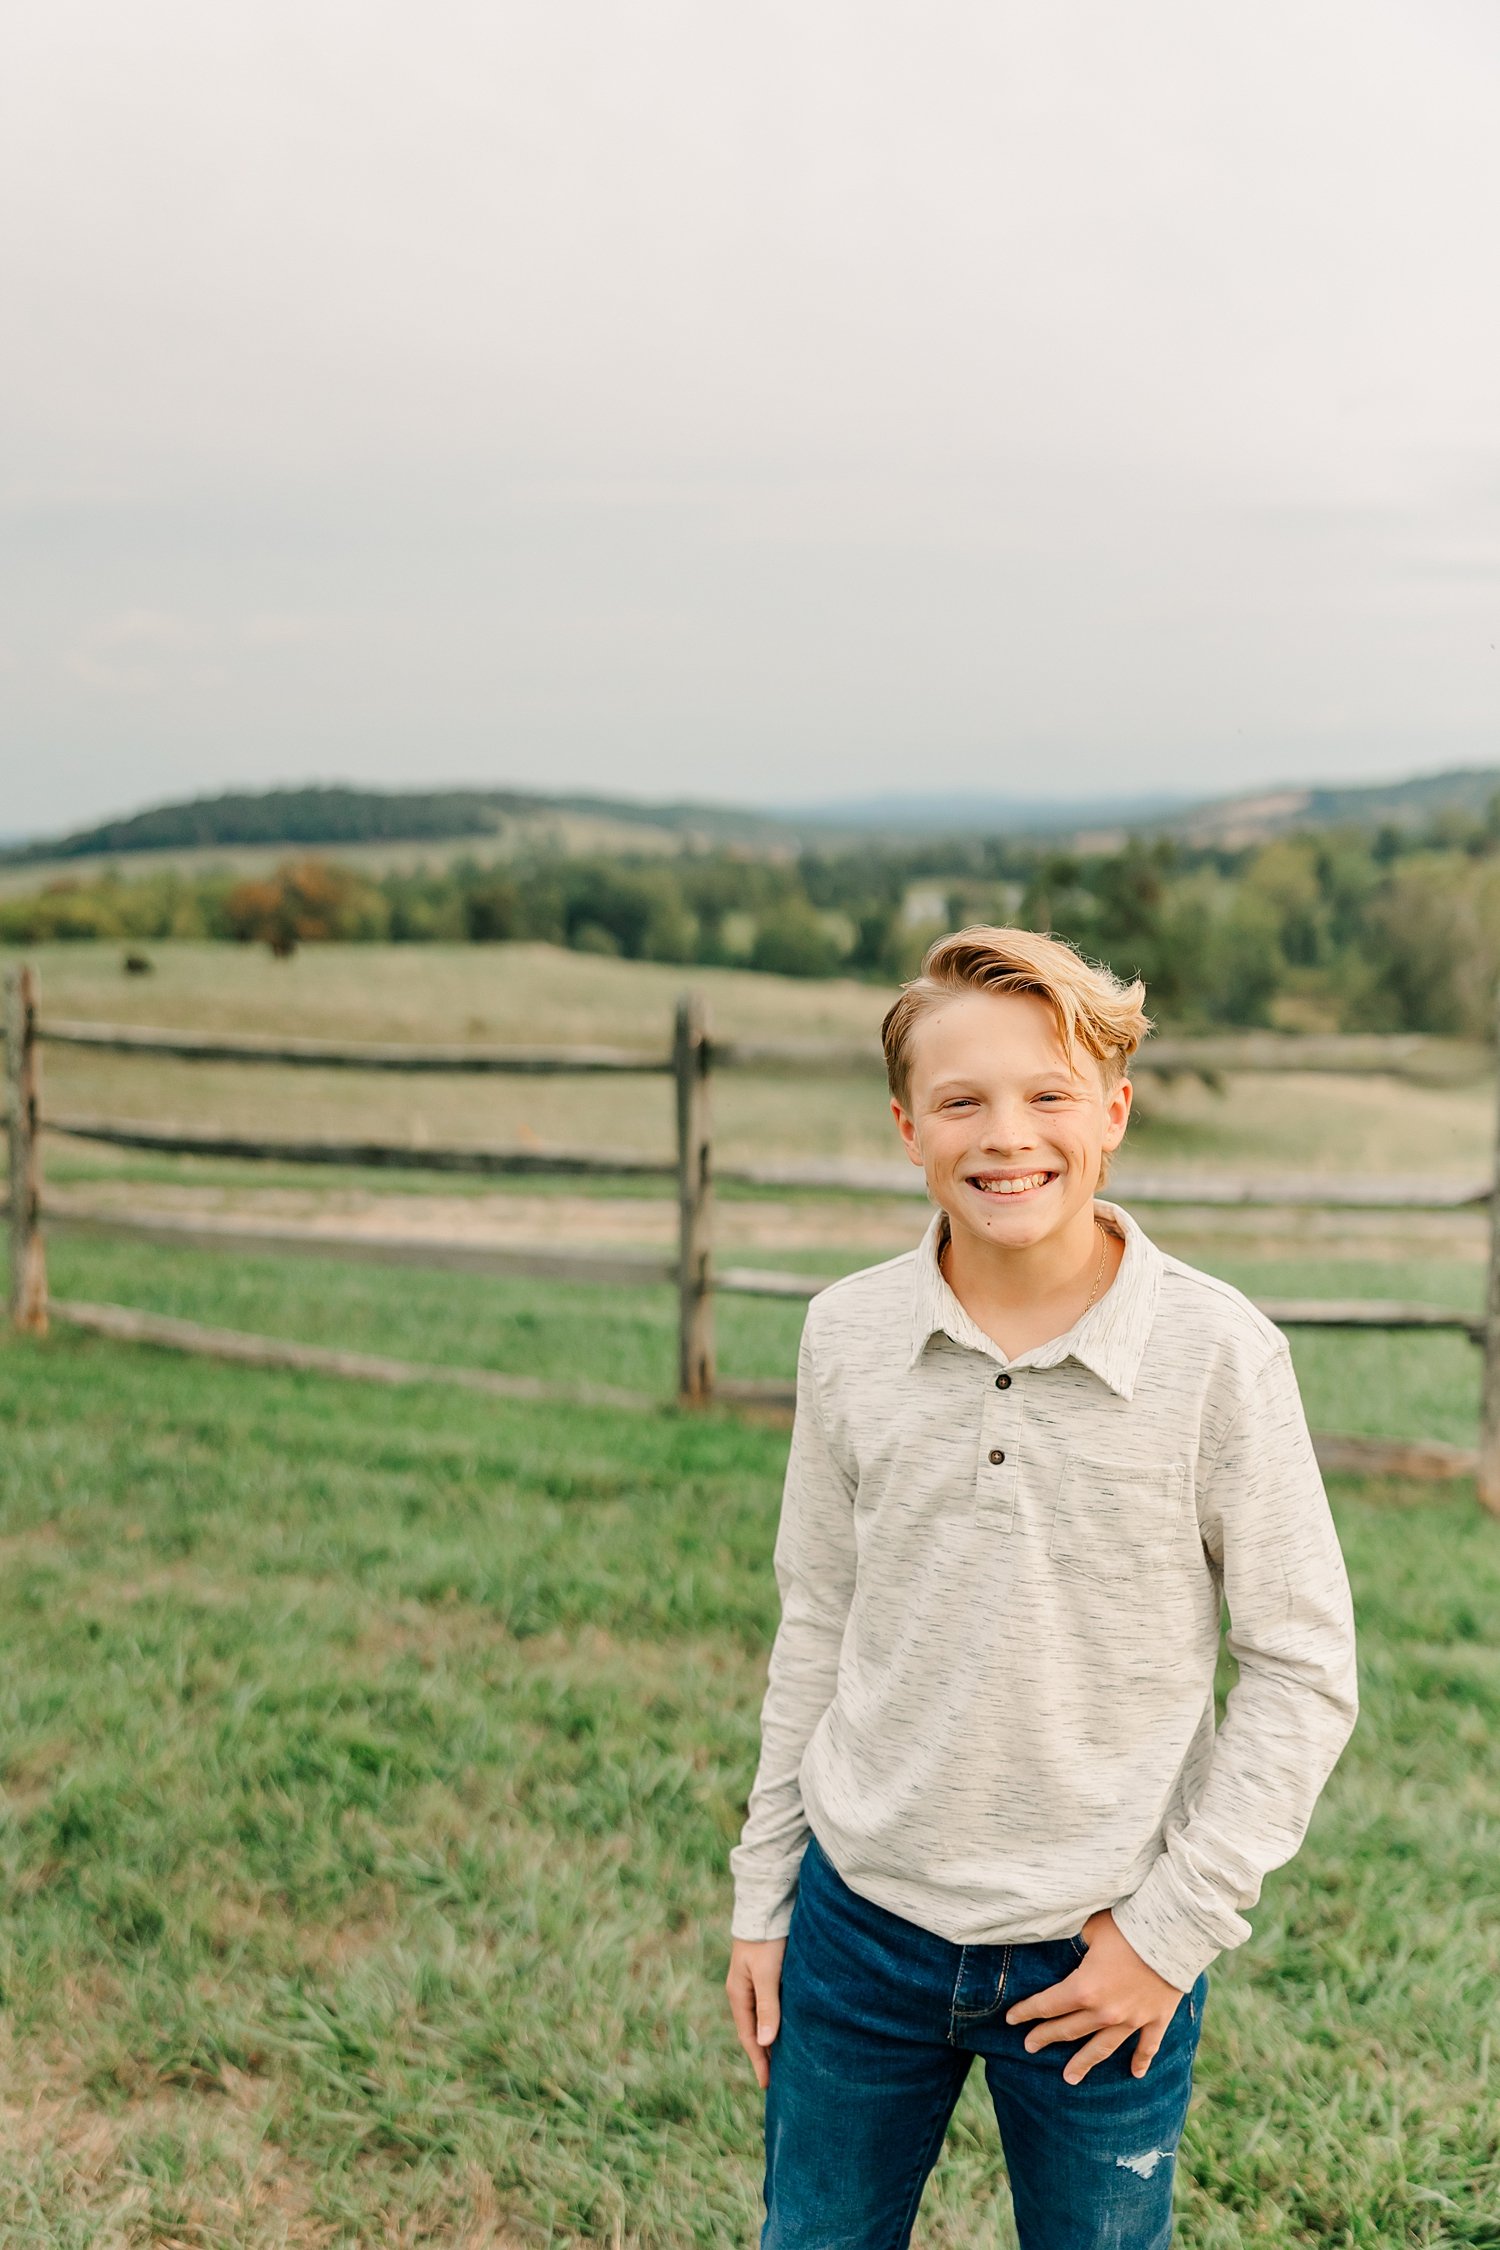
{"x":1168,"y":1934}
{"x":760,"y":1929}
{"x":760,"y":1914}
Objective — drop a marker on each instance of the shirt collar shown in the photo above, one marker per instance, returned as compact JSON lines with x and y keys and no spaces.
{"x":1109,"y":1339}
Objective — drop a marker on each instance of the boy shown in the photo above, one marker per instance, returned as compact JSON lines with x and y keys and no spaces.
{"x":1030,"y":1460}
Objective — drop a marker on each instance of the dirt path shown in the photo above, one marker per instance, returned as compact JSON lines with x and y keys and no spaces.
{"x":879,"y":1226}
{"x":798,"y":1222}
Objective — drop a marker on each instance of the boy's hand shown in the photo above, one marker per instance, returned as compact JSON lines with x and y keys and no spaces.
{"x":1110,"y":1994}
{"x":754,"y":1988}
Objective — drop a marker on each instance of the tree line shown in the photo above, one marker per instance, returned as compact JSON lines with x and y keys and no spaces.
{"x":1339,"y":929}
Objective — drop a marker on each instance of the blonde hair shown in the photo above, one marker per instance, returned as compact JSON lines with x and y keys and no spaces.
{"x":1092,"y":1007}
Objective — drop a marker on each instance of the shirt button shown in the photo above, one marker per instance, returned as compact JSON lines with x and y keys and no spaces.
{"x":1002,"y":1382}
{"x":996,"y":1457}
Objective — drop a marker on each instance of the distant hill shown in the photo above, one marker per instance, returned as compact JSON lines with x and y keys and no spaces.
{"x":1104,"y":822}
{"x":336,"y":815}
{"x":362,"y":820}
{"x":276,"y":816}
{"x":985,"y":813}
{"x":1255,"y":817}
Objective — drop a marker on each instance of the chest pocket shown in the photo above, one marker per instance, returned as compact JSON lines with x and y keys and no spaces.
{"x":1117,"y":1522}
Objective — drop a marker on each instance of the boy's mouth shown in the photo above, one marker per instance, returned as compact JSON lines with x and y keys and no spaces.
{"x":1010,"y":1184}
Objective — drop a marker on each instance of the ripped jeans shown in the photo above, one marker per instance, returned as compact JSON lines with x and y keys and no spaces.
{"x":880,"y":2024}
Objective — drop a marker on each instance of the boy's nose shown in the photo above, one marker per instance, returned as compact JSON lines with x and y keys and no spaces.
{"x":1006,"y":1129}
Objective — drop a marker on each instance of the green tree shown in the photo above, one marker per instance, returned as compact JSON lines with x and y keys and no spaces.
{"x":792,"y":942}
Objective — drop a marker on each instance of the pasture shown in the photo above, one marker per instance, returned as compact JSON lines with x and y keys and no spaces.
{"x":371,"y":1759}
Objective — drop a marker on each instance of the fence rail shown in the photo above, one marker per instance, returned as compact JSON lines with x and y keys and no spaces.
{"x":856,"y":1175}
{"x":639,"y":1268}
{"x":343,"y":1054}
{"x":405,"y":1156}
{"x":125,"y":1325}
{"x":693,"y":1059}
{"x":1416,"y":1055}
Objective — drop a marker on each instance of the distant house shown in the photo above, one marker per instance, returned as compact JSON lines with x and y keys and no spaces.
{"x":924,"y":903}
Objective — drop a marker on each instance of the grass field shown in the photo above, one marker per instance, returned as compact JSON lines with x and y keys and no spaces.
{"x":370,"y":1760}
{"x":370,"y":1766}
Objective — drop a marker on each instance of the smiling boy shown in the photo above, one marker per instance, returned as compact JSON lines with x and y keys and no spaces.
{"x":1031,"y":1460}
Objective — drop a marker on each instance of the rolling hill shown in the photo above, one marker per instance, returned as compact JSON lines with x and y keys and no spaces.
{"x":373,"y":825}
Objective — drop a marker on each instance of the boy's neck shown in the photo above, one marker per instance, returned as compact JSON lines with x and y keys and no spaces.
{"x":1025,"y":1296}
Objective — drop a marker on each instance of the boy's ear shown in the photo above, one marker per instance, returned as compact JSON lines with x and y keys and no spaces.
{"x":908,"y":1132}
{"x":1117,"y":1114}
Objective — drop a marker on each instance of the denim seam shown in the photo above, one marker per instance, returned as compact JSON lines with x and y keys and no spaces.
{"x":958,"y":1979}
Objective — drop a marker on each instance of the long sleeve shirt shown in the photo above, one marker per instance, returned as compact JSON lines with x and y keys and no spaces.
{"x":1002,"y":1579}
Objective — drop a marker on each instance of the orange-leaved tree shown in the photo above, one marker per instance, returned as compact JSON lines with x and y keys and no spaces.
{"x":303,"y":901}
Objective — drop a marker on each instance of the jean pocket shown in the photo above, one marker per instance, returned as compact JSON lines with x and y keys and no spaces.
{"x":1079,"y":1948}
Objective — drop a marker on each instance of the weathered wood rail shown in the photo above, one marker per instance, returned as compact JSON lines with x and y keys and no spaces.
{"x":847,"y":1174}
{"x":343,"y":1054}
{"x":125,"y":1325}
{"x":361,"y":1155}
{"x":1426,"y":1460}
{"x":632,"y":1268}
{"x":1415,"y":1055}
{"x":1359,"y":1054}
{"x":690,"y":1062}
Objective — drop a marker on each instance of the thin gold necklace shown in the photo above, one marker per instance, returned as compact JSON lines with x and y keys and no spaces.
{"x":1098,"y":1271}
{"x":1099,"y":1274}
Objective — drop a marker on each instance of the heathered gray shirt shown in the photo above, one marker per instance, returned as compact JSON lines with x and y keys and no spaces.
{"x":991,"y":1694}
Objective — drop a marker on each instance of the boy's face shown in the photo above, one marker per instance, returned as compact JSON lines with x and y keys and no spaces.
{"x":994,"y":1100}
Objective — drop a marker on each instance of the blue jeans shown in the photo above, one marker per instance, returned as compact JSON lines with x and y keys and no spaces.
{"x":880,"y":2022}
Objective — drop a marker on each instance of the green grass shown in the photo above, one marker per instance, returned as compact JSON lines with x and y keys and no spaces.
{"x":371,"y":1761}
{"x":579,"y":1332}
{"x":371,"y":1764}
{"x":1388,"y":1385}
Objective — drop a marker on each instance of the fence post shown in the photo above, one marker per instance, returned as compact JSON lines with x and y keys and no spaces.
{"x":1488,"y":1476}
{"x":28,"y":1255}
{"x":695,"y":1317}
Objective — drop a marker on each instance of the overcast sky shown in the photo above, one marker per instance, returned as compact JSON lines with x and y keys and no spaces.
{"x":764,"y":403}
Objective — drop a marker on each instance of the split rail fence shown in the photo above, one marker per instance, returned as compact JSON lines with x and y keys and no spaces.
{"x":691,"y":1063}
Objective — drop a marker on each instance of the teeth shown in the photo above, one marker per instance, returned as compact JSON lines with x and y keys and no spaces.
{"x":1013,"y":1187}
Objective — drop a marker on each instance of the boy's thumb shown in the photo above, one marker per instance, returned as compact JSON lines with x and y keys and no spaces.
{"x":767,"y":2016}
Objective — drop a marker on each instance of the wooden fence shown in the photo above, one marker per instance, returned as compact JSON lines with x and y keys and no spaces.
{"x":691,"y":1062}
